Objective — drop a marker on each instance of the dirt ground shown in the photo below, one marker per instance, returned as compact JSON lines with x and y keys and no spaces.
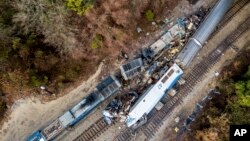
{"x":28,"y":115}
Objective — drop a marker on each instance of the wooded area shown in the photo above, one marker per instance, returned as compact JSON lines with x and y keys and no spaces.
{"x":231,"y":107}
{"x":57,"y":43}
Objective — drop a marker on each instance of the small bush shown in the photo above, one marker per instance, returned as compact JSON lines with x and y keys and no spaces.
{"x":39,"y":54}
{"x":4,"y":53}
{"x":71,"y":74}
{"x":97,"y":41}
{"x":14,"y":77}
{"x":31,"y":40}
{"x":16,"y":42}
{"x":37,"y":79}
{"x":80,"y":6}
{"x":24,"y":52}
{"x":149,"y":15}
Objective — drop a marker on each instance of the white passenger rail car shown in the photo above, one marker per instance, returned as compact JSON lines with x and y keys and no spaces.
{"x":153,"y":95}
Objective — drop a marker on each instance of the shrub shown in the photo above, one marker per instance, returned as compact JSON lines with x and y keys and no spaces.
{"x":31,"y":40}
{"x":6,"y":13}
{"x":37,"y":79}
{"x":71,"y":74}
{"x":80,"y":6}
{"x":16,"y":42}
{"x":238,"y":114}
{"x":242,"y":89}
{"x":14,"y":77}
{"x":39,"y":54}
{"x":149,"y":15}
{"x":247,"y":74}
{"x":4,"y":54}
{"x":97,"y":41}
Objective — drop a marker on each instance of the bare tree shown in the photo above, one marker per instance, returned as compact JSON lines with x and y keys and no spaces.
{"x":47,"y":17}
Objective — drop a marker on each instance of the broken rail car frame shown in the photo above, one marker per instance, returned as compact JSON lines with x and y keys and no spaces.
{"x":194,"y":77}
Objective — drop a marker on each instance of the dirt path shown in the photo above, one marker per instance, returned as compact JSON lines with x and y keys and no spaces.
{"x":30,"y":114}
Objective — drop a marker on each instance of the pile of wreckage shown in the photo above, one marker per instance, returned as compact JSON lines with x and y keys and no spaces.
{"x":153,"y":62}
{"x":119,"y":107}
{"x":176,"y":36}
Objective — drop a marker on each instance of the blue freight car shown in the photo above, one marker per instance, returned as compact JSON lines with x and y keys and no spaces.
{"x":69,"y":118}
{"x":80,"y":111}
{"x":36,"y":136}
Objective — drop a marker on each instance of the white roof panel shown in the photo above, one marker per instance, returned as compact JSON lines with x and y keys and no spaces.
{"x":151,"y":97}
{"x":78,"y":109}
{"x":167,"y":38}
{"x":158,"y":46}
{"x":176,"y":30}
{"x":66,"y":118}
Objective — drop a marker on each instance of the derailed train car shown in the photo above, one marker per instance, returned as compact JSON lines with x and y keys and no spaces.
{"x":204,"y":31}
{"x":81,"y":110}
{"x":176,"y":31}
{"x":153,"y":95}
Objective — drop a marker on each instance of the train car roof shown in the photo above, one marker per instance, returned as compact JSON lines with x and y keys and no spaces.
{"x":52,"y":129}
{"x":153,"y":95}
{"x":36,"y":136}
{"x":131,"y":68}
{"x":167,"y":37}
{"x":157,"y":46}
{"x":108,"y":86}
{"x":81,"y":108}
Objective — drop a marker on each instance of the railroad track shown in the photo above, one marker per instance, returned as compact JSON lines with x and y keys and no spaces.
{"x":193,"y":78}
{"x":155,"y":122}
{"x":94,"y":131}
{"x":239,"y":4}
